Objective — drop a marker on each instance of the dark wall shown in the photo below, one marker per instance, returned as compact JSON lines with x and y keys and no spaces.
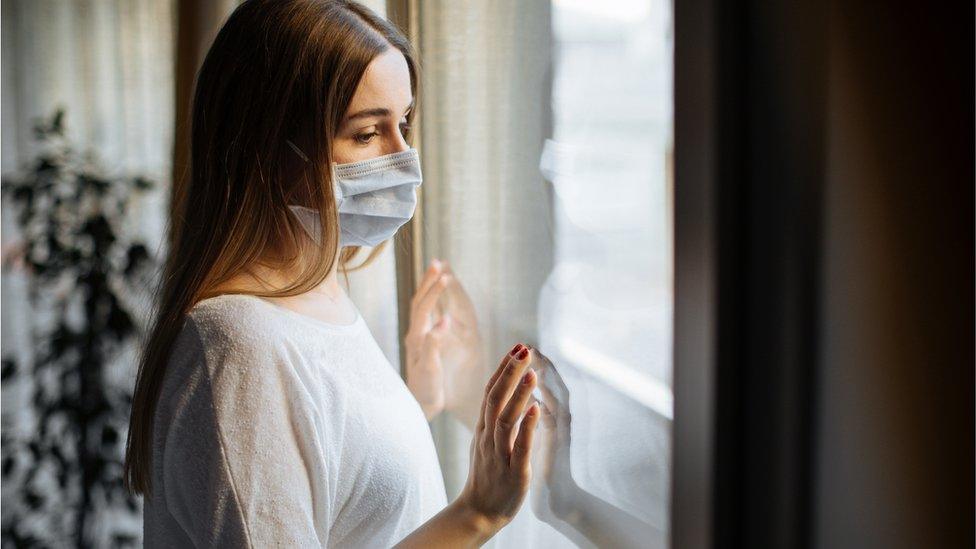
{"x":824,"y":275}
{"x":894,"y":463}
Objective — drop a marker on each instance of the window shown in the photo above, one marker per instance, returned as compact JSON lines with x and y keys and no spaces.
{"x":546,"y":146}
{"x":605,"y":310}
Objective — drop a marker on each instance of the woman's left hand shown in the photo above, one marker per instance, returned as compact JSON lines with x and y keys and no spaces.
{"x":423,"y":341}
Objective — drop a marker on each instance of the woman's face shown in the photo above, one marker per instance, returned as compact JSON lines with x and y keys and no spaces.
{"x":376,"y":120}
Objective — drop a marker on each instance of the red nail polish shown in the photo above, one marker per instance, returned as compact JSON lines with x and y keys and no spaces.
{"x":515,"y":349}
{"x":522,"y":354}
{"x":527,"y":377}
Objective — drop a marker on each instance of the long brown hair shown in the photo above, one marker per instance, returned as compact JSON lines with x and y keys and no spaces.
{"x":279,"y":71}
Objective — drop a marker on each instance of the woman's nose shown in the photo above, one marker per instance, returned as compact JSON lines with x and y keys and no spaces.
{"x":399,"y":144}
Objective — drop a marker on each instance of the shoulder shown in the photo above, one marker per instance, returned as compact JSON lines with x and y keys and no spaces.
{"x":227,"y":335}
{"x":232,"y":321}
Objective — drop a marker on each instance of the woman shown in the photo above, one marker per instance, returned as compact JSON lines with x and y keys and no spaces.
{"x":264,"y":412}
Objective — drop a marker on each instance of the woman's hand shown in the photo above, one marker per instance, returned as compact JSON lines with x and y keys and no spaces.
{"x":443,"y":347}
{"x":500,"y":470}
{"x":424,"y":339}
{"x":461,"y":356}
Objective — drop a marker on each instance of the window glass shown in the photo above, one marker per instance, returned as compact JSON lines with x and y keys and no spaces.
{"x":605,"y":311}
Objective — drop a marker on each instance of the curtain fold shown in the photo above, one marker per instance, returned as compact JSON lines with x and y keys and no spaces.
{"x":485,"y":108}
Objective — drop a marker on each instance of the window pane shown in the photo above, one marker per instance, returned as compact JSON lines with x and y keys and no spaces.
{"x":605,"y":310}
{"x":546,"y":139}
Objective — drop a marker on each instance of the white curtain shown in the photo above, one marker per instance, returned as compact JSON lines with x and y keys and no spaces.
{"x":577,"y":262}
{"x":485,"y":116}
{"x":373,"y":289}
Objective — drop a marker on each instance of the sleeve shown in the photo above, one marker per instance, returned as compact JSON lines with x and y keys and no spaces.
{"x":243,"y":464}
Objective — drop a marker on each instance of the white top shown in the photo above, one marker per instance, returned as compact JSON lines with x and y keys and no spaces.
{"x":274,"y":428}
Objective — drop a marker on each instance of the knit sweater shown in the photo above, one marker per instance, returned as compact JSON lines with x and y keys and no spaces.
{"x":274,"y":428}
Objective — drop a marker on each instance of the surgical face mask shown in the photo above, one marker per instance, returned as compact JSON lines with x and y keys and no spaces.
{"x":375,"y":198}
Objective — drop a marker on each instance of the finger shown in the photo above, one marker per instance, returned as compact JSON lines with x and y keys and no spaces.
{"x":504,"y":385}
{"x":508,"y":419}
{"x":501,"y":366}
{"x":423,"y":305}
{"x":419,"y":326}
{"x":512,"y":356}
{"x":426,"y":303}
{"x":431,"y":353}
{"x":523,"y":442}
{"x":548,"y":421}
{"x":491,"y":383}
{"x":430,"y":277}
{"x":548,"y":398}
{"x":553,"y":376}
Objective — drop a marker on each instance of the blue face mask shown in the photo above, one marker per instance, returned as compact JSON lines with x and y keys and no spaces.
{"x":375,"y":198}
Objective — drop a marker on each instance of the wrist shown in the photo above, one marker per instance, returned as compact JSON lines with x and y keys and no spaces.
{"x":563,"y":501}
{"x":479,"y":525}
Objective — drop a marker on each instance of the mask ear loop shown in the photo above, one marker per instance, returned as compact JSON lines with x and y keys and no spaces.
{"x":298,"y":151}
{"x":339,"y":195}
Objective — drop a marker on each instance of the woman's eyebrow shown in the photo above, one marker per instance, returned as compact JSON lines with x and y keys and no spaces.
{"x":379,"y":111}
{"x":376,"y":111}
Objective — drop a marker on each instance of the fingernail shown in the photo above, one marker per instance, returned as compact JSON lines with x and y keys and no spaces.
{"x":522,"y":354}
{"x":534,"y":409}
{"x":527,"y":377}
{"x":515,"y":349}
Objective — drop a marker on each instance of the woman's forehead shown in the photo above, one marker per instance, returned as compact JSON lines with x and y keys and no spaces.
{"x":385,"y":84}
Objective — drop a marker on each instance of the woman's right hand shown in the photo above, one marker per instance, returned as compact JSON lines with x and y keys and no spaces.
{"x":500,"y":471}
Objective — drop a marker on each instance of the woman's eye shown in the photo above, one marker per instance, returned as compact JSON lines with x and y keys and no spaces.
{"x":365,"y":138}
{"x":404,"y":129}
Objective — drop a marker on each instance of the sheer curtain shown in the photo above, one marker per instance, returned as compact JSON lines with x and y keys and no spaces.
{"x":486,"y":88}
{"x":373,"y":289}
{"x":545,"y":139}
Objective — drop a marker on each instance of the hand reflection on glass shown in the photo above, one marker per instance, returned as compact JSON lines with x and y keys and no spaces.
{"x":553,"y":482}
{"x":556,"y":498}
{"x":461,"y":352}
